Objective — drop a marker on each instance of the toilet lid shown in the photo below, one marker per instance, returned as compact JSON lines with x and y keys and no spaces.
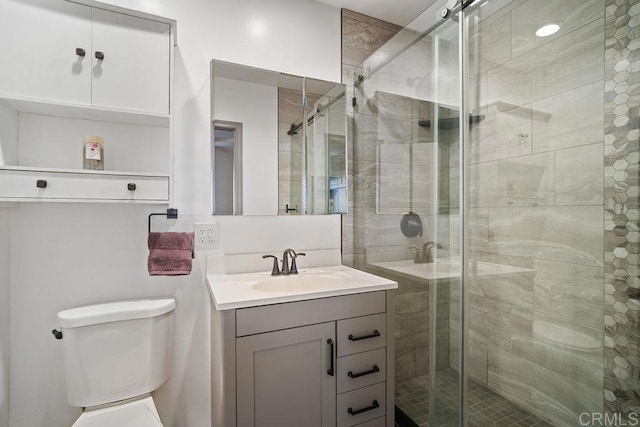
{"x":140,"y":413}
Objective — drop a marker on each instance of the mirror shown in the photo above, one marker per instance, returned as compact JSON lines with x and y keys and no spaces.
{"x":282,"y":157}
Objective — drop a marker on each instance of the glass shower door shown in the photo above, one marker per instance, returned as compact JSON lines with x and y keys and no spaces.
{"x":506,"y":136}
{"x":535,"y":192}
{"x":406,"y":214}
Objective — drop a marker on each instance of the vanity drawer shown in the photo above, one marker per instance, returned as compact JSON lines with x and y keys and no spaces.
{"x":255,"y":320}
{"x":36,"y":185}
{"x":365,"y":368}
{"x":362,"y":334}
{"x":361,"y":405}
{"x":378,"y":422}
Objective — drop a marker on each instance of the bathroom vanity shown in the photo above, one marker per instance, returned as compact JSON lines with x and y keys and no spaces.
{"x":311,"y":349}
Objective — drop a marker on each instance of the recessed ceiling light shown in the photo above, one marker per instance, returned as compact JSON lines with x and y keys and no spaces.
{"x":547,"y":30}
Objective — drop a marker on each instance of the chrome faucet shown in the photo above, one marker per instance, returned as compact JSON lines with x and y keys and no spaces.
{"x":427,"y":252}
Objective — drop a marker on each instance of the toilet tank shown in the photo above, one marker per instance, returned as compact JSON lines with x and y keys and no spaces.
{"x":117,"y":350}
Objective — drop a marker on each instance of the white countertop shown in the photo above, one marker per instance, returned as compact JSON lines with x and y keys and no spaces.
{"x":231,"y":291}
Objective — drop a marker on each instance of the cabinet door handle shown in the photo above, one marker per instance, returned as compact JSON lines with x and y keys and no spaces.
{"x":41,"y":183}
{"x":375,"y":333}
{"x":331,"y":347}
{"x":99,"y":55}
{"x":374,"y":405}
{"x":373,"y":370}
{"x":80,"y":52}
{"x":131,"y":186}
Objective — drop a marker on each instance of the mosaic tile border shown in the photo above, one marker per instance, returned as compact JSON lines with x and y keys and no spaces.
{"x":621,"y":174}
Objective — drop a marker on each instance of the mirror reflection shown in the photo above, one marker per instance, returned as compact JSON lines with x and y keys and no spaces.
{"x":227,"y":168}
{"x":290,"y":156}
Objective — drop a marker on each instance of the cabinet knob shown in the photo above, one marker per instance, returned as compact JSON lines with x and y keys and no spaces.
{"x":99,"y":55}
{"x":131,"y":186}
{"x":80,"y":52}
{"x":41,"y":183}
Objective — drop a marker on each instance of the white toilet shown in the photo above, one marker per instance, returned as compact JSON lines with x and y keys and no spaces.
{"x":115,"y":354}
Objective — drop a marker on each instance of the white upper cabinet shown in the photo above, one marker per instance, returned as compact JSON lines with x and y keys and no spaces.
{"x":71,"y":71}
{"x":39,"y":58}
{"x":54,"y":49}
{"x":134,"y":74}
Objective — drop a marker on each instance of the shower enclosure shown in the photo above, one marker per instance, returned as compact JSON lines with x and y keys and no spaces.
{"x":511,"y":129}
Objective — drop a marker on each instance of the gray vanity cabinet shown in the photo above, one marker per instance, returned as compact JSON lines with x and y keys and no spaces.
{"x":284,"y":378}
{"x":324,"y":362}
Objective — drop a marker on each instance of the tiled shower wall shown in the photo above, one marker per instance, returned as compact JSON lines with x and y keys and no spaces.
{"x":391,"y":160}
{"x":621,"y":161}
{"x":361,"y":36}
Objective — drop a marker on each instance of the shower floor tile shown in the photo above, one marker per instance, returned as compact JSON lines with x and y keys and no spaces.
{"x":486,"y":408}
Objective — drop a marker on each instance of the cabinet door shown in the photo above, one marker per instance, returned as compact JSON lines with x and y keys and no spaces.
{"x":282,"y":378}
{"x":134,"y":74}
{"x":38,"y":51}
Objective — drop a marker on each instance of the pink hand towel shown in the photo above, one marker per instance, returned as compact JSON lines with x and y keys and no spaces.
{"x":170,"y":253}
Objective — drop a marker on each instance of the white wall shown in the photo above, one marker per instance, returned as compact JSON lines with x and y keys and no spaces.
{"x":256,"y":107}
{"x":4,"y":317}
{"x":65,"y":255}
{"x":8,"y":136}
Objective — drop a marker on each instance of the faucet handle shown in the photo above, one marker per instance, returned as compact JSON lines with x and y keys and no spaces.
{"x":275,"y":271}
{"x":294,"y":267}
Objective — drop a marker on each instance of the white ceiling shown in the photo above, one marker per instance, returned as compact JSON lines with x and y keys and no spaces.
{"x":399,"y":12}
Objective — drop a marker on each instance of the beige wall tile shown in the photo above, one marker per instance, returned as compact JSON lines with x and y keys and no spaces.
{"x":531,"y":15}
{"x":571,"y":60}
{"x":579,"y":176}
{"x":544,"y":392}
{"x":571,"y":293}
{"x":514,"y":289}
{"x":505,"y":132}
{"x":360,"y":39}
{"x":570,"y":350}
{"x":565,"y":234}
{"x":575,"y":117}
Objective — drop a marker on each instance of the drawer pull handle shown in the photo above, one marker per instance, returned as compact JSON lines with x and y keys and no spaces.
{"x":374,"y":405}
{"x":373,"y":370}
{"x":131,"y":186}
{"x":331,"y":346}
{"x":99,"y":55}
{"x":375,"y":333}
{"x":80,"y":52}
{"x":41,"y":183}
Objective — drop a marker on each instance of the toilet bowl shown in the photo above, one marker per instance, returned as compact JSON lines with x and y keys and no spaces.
{"x":115,"y":355}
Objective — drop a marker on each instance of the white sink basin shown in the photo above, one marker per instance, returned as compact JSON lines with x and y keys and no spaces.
{"x":304,"y":281}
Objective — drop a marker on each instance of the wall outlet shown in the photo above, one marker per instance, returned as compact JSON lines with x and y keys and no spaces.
{"x":206,"y":235}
